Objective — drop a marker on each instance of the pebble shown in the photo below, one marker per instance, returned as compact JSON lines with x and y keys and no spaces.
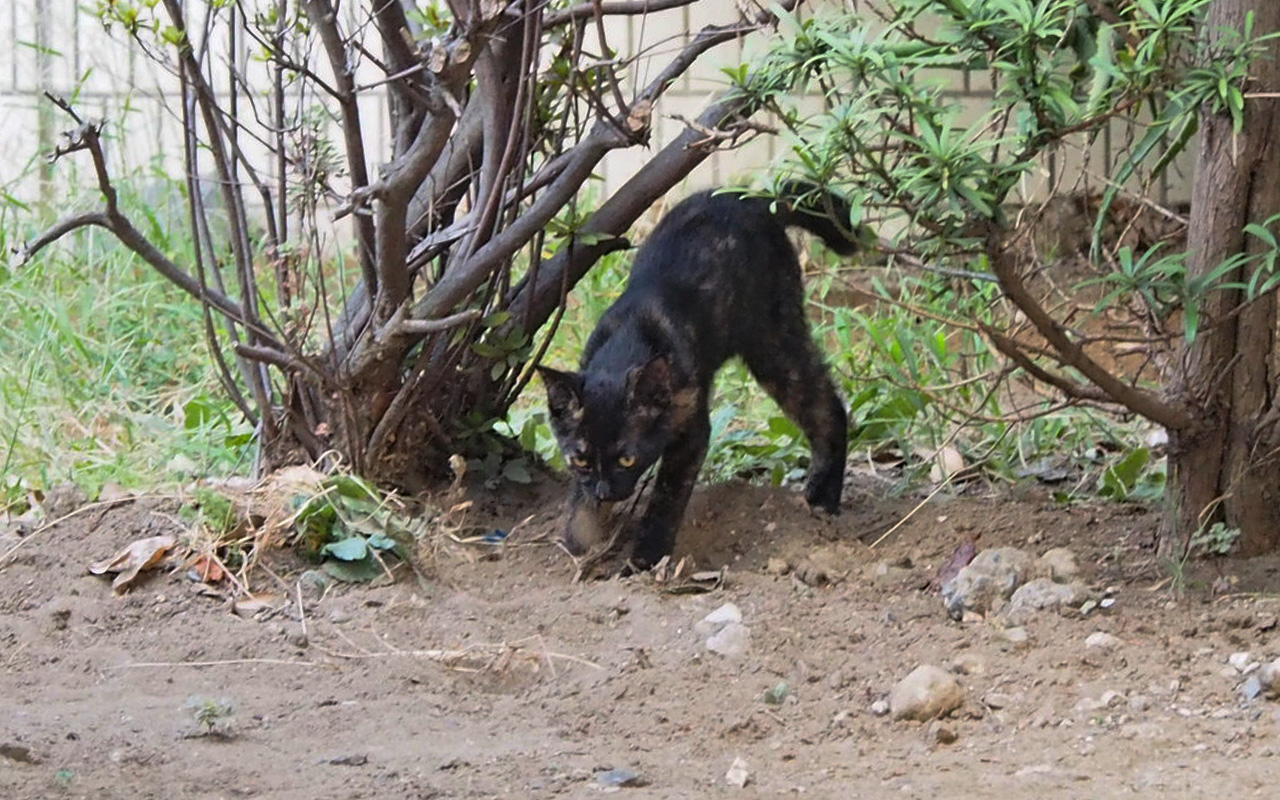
{"x":1018,"y":637}
{"x":618,"y":777}
{"x":313,"y":583}
{"x":880,"y":708}
{"x":986,"y":582}
{"x":339,"y":615}
{"x":1100,"y":640}
{"x":777,"y":566}
{"x":942,"y":733}
{"x":1241,"y":661}
{"x":738,"y":775}
{"x":929,"y":692}
{"x":296,"y":637}
{"x":18,"y":752}
{"x":716,"y":620}
{"x":1043,"y":594}
{"x":730,"y":641}
{"x":969,"y":664}
{"x":1059,"y":565}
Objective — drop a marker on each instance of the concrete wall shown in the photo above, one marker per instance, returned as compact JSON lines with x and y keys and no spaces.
{"x":54,"y":45}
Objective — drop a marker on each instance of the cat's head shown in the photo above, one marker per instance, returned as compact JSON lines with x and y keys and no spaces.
{"x":612,"y":427}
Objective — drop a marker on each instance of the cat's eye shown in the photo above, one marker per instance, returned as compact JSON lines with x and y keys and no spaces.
{"x":627,"y":461}
{"x":578,"y":460}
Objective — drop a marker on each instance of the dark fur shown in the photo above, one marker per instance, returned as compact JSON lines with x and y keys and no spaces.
{"x":717,"y":278}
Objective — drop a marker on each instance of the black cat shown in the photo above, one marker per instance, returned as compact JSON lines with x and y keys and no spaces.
{"x":717,"y":278}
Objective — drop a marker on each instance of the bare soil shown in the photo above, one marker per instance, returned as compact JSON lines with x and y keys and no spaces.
{"x":494,"y":675}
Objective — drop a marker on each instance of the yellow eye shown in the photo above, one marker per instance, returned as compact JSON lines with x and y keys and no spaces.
{"x":579,"y":460}
{"x":627,"y":461}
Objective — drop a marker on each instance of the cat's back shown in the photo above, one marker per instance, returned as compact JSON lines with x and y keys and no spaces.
{"x":707,"y":235}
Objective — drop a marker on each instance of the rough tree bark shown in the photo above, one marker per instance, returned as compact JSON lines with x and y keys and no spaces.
{"x":1225,"y":466}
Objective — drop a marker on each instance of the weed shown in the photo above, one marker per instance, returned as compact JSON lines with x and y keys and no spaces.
{"x":105,"y":376}
{"x":213,"y":715}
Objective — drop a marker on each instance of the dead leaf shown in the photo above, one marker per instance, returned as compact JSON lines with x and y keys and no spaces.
{"x":139,"y":555}
{"x":206,"y":569}
{"x":253,"y":604}
{"x":958,"y":561}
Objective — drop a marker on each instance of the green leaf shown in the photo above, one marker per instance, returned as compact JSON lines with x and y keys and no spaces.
{"x":353,"y":548}
{"x":381,"y":541}
{"x":361,"y":571}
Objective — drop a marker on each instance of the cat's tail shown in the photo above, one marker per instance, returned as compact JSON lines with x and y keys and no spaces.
{"x":823,"y":213}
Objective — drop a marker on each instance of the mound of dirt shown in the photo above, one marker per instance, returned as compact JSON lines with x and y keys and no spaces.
{"x":493,"y":675}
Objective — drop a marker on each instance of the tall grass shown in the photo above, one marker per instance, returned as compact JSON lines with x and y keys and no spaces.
{"x":104,"y":373}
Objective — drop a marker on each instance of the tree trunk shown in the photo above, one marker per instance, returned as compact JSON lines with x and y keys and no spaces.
{"x":1226,"y":466}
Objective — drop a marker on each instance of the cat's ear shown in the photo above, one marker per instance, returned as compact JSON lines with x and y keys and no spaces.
{"x":564,"y":392}
{"x":650,"y":385}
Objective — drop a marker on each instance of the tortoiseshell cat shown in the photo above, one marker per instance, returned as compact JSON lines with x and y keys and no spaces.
{"x":717,"y":278}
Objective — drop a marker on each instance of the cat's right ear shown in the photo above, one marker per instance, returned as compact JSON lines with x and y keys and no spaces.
{"x":564,"y":393}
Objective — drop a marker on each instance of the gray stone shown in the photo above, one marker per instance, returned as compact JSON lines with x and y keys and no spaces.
{"x":1043,"y":594}
{"x":738,"y":774}
{"x":730,"y":641}
{"x":716,"y":620}
{"x":929,"y":692}
{"x":1018,"y":637}
{"x":986,"y":582}
{"x":880,"y":708}
{"x":1100,"y":640}
{"x":1058,"y":565}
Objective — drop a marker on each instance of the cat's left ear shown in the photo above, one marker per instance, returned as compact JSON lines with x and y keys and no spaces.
{"x":564,"y":392}
{"x":650,"y":385}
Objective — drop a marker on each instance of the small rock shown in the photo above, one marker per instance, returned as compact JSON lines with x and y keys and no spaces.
{"x":941,"y":733}
{"x":1265,"y":680}
{"x":1042,"y":594}
{"x":619,"y":777}
{"x":738,"y":774}
{"x":1252,"y":687}
{"x":730,"y":641}
{"x":349,"y":760}
{"x":339,"y":615}
{"x":996,"y":700}
{"x":296,"y":637}
{"x":929,"y":692}
{"x":1109,"y":698}
{"x":18,"y":752}
{"x":835,"y":680}
{"x":968,"y":664}
{"x":1018,"y":637}
{"x":777,"y":566}
{"x":986,"y":582}
{"x":1058,"y":565}
{"x":716,"y":620}
{"x":880,"y":708}
{"x":1139,"y":702}
{"x":1241,"y":661}
{"x":1100,"y":640}
{"x":313,"y":584}
{"x":811,"y":573}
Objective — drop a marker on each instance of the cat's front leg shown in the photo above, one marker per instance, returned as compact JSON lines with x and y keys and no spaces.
{"x":681,"y":461}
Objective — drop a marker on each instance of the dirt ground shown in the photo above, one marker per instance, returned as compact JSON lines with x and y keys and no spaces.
{"x":497,"y":676}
